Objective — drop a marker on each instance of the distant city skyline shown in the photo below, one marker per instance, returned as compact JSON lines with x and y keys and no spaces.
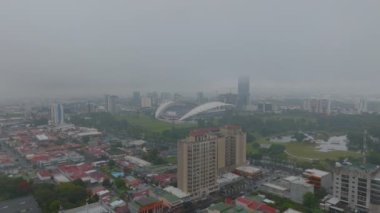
{"x":67,"y":49}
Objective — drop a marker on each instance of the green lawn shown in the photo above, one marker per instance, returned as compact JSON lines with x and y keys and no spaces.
{"x":251,"y":150}
{"x":171,"y":159}
{"x":151,"y":123}
{"x":304,"y":151}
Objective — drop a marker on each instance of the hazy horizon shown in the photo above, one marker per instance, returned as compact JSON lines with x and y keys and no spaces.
{"x":78,"y":48}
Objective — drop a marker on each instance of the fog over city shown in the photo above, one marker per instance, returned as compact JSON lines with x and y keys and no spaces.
{"x":82,"y":47}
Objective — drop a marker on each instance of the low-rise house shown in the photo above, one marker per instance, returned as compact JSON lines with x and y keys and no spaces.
{"x":319,"y":178}
{"x":171,"y":202}
{"x":146,"y":204}
{"x":253,"y":205}
{"x":249,"y":172}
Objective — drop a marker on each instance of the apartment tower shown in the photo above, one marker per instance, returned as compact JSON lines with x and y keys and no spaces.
{"x":357,"y":187}
{"x":206,"y":154}
{"x":110,"y":104}
{"x":57,"y":114}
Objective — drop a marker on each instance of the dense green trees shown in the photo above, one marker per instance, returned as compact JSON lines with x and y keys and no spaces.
{"x":107,"y":183}
{"x":153,"y":156}
{"x":272,"y":124}
{"x":263,"y":124}
{"x":374,"y":158}
{"x":310,"y":202}
{"x":299,"y":136}
{"x":119,"y":183}
{"x":13,"y":187}
{"x":119,"y":126}
{"x":355,"y":141}
{"x":51,"y":197}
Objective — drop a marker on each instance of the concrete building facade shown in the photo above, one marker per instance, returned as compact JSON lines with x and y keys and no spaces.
{"x":243,"y":92}
{"x":57,"y":114}
{"x":319,"y":106}
{"x":206,"y":154}
{"x":110,"y":104}
{"x":320,"y":179}
{"x":358,"y":188}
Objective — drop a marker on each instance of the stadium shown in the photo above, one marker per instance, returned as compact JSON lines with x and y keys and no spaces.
{"x":172,"y":111}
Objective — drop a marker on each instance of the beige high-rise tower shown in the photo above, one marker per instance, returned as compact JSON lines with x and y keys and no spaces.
{"x":231,"y":148}
{"x":207,"y":153}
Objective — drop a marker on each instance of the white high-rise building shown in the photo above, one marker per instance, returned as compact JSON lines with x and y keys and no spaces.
{"x":57,"y":114}
{"x":362,"y":106}
{"x":358,"y":187}
{"x":146,"y":102}
{"x":319,"y":106}
{"x":110,"y":104}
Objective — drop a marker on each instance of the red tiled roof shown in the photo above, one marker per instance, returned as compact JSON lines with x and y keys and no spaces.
{"x":42,"y":157}
{"x":164,"y":177}
{"x":75,"y":171}
{"x":123,"y":209}
{"x":44,"y":173}
{"x":267,"y":209}
{"x":255,"y":205}
{"x":244,"y":200}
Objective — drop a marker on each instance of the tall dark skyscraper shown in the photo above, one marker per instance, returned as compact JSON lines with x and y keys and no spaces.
{"x":136,"y":99}
{"x":243,"y":91}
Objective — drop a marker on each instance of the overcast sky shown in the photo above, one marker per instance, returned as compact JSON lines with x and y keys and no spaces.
{"x":88,"y":47}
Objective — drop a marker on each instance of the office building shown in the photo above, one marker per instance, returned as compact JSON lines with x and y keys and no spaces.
{"x":111,"y":103}
{"x":357,"y":187}
{"x":90,"y":108}
{"x":136,"y":99}
{"x":200,"y":98}
{"x":146,"y":102}
{"x":57,"y":114}
{"x":207,"y":153}
{"x":231,"y":149}
{"x":292,"y":187}
{"x":318,"y":106}
{"x":362,"y":106}
{"x":298,"y":188}
{"x":265,"y":107}
{"x":243,"y":92}
{"x":154,"y":99}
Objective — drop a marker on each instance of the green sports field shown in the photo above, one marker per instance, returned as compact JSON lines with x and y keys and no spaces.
{"x":151,"y":123}
{"x":305,"y":151}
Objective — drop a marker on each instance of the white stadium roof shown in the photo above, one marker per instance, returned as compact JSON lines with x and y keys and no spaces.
{"x":162,"y":108}
{"x":203,"y":108}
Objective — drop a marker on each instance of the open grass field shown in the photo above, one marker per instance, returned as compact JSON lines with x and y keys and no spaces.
{"x":152,"y":123}
{"x":171,"y":159}
{"x":305,"y":151}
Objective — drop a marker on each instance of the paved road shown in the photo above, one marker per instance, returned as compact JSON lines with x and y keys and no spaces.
{"x":309,"y":159}
{"x":24,"y":204}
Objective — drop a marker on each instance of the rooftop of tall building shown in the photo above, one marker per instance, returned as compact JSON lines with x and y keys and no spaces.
{"x":361,"y":167}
